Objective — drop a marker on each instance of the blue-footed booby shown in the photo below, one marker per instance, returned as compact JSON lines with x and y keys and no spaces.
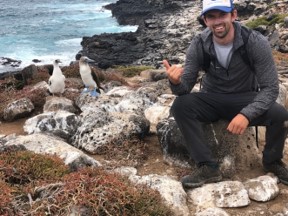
{"x":89,"y":78}
{"x":57,"y":80}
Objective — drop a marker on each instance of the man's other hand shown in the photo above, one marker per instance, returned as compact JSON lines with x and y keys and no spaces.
{"x":238,"y":124}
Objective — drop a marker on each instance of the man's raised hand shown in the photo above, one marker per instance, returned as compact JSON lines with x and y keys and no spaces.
{"x":174,"y":72}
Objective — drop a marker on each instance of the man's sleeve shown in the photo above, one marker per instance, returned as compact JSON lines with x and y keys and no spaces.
{"x":266,"y":75}
{"x":191,"y":69}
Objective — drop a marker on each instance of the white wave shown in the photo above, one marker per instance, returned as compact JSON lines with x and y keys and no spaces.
{"x":36,"y":39}
{"x":74,"y":42}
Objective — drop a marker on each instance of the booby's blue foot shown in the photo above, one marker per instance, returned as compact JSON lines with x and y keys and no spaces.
{"x":85,"y":90}
{"x":94,"y":93}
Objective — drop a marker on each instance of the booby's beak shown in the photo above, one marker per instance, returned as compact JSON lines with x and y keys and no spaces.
{"x":58,"y":61}
{"x":88,"y":60}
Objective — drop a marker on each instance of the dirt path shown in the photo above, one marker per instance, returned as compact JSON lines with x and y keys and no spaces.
{"x":16,"y":127}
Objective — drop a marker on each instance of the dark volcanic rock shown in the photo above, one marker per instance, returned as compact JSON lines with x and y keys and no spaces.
{"x":10,"y":62}
{"x":127,"y":48}
{"x":133,"y":12}
{"x":113,"y":49}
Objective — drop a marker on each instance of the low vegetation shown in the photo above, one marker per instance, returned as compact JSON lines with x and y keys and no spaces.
{"x":34,"y":184}
{"x":276,"y":18}
{"x":24,"y":167}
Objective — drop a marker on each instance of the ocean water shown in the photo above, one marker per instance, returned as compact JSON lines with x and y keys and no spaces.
{"x":51,"y":29}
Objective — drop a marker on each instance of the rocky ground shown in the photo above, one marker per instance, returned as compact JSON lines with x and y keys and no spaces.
{"x":154,"y":163}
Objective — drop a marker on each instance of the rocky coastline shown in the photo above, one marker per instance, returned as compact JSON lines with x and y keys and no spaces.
{"x":156,"y":38}
{"x":165,"y":29}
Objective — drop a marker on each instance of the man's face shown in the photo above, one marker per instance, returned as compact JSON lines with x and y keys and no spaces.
{"x":219,"y":22}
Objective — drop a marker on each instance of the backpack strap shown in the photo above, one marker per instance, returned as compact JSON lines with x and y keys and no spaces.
{"x":245,"y":33}
{"x":206,"y":57}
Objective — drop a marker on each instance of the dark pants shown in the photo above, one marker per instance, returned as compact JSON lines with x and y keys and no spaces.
{"x":192,"y":110}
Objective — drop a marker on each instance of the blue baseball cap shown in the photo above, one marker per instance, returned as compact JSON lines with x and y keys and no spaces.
{"x":222,"y":5}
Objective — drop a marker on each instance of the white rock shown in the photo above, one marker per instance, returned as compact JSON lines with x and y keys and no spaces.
{"x":223,"y":194}
{"x":156,"y":113}
{"x":263,"y":188}
{"x":44,"y":144}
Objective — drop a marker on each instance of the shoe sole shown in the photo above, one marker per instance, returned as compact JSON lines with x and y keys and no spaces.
{"x":281,"y":180}
{"x":194,"y":185}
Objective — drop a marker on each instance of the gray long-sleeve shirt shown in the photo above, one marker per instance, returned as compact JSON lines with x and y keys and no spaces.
{"x":238,"y":77}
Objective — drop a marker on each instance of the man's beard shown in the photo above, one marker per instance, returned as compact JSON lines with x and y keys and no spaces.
{"x":222,"y":34}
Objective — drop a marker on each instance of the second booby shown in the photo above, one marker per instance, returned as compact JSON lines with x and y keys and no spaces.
{"x":89,"y":78}
{"x":57,"y":80}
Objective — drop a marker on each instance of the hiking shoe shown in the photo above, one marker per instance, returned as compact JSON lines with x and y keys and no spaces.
{"x":204,"y":174}
{"x":279,"y":169}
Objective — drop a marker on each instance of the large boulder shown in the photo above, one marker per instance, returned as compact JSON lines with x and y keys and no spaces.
{"x":231,"y":150}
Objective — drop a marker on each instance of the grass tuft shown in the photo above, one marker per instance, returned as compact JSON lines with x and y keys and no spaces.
{"x":276,"y":18}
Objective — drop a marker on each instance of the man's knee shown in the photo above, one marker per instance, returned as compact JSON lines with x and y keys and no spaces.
{"x":176,"y":106}
{"x":277,"y":113}
{"x":183,"y":104}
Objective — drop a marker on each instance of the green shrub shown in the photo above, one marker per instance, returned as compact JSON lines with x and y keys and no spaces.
{"x":89,"y":191}
{"x":97,"y":192}
{"x":277,"y":18}
{"x":24,"y":167}
{"x":5,"y":197}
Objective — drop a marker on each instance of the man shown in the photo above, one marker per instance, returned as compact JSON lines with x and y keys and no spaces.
{"x":229,"y":91}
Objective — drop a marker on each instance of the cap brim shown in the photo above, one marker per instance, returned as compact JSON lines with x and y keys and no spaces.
{"x":221,"y":8}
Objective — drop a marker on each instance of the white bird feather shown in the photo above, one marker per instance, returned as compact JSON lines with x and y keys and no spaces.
{"x":57,"y":80}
